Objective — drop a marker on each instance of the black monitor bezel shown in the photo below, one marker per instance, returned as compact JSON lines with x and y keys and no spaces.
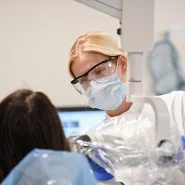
{"x":76,"y":109}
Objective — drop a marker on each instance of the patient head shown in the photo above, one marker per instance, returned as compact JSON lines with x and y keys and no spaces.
{"x":28,"y":120}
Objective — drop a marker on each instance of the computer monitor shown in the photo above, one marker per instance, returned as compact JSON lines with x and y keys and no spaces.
{"x":76,"y":120}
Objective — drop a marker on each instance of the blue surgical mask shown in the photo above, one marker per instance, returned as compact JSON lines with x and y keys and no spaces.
{"x":106,"y":93}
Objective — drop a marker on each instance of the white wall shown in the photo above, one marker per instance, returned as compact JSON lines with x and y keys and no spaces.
{"x":36,"y":35}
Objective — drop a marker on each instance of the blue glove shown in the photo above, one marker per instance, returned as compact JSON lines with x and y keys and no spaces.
{"x":99,"y":173}
{"x":180,"y":155}
{"x":183,"y":142}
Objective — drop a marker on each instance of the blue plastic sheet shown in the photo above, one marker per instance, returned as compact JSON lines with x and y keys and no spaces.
{"x":46,"y":167}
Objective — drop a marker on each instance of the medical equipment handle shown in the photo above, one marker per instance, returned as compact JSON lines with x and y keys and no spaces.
{"x":162,"y":119}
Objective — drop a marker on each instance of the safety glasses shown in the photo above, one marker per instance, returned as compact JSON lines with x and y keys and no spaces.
{"x":100,"y":70}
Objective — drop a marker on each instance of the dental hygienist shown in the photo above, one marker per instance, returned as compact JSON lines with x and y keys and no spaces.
{"x":99,"y":70}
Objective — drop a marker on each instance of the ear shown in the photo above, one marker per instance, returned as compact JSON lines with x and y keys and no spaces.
{"x":122,"y":62}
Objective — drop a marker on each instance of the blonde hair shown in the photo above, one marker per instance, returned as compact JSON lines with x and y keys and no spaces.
{"x":97,"y":42}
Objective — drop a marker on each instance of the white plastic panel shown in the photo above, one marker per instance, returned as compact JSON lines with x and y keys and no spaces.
{"x":112,"y":8}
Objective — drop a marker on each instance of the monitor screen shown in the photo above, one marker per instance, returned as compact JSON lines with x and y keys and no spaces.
{"x":76,"y":120}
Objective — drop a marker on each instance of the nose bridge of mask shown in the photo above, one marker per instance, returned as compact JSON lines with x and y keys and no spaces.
{"x":105,"y":80}
{"x":92,"y":82}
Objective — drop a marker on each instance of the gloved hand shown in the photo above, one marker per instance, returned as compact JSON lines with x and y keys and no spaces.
{"x":180,"y":154}
{"x":99,"y":173}
{"x":183,"y":142}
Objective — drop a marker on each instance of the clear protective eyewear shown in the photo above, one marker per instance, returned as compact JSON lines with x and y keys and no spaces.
{"x":100,"y":70}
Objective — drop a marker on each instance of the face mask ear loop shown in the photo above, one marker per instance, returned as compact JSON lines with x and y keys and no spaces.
{"x":116,"y":71}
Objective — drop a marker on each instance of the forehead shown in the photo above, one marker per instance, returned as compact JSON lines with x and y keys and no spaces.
{"x":86,"y":61}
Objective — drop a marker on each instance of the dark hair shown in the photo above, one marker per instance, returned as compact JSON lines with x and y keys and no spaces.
{"x":28,"y":120}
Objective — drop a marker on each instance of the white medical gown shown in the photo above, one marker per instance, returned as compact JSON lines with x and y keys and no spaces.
{"x":175,"y":102}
